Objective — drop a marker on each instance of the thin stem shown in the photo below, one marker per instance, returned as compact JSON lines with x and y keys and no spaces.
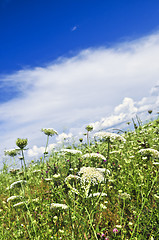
{"x":91,"y":224}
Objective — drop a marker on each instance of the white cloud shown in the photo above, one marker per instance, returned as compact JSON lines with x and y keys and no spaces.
{"x":103,"y":86}
{"x":74,"y":28}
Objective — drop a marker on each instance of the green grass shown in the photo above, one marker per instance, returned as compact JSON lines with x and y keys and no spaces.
{"x":126,"y":206}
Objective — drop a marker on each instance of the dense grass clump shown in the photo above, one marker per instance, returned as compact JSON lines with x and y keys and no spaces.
{"x":106,"y":189}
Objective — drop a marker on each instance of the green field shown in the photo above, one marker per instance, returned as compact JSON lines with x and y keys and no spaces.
{"x":105,"y":189}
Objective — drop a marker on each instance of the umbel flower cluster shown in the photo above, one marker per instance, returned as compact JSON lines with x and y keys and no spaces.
{"x":71,"y":151}
{"x":149,"y":152}
{"x":21,"y":143}
{"x":109,"y":136}
{"x":91,"y":174}
{"x":11,"y":152}
{"x":49,"y":131}
{"x":93,"y":155}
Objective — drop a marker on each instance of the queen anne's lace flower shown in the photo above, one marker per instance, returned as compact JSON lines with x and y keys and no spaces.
{"x":49,"y":131}
{"x":97,"y":195}
{"x":124,"y":195}
{"x":17,"y":184}
{"x":71,"y":151}
{"x":58,"y":206}
{"x":20,"y":204}
{"x":93,"y":155}
{"x":149,"y":152}
{"x":12,"y":198}
{"x":91,"y":174}
{"x":11,"y":152}
{"x":111,"y":136}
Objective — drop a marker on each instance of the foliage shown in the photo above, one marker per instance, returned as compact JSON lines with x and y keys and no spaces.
{"x":77,"y":194}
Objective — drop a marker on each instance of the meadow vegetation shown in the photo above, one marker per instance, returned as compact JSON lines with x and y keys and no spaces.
{"x":104,"y":189}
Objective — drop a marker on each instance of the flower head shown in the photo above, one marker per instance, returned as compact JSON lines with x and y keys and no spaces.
{"x":124,"y":196}
{"x":58,"y":206}
{"x":89,"y":128}
{"x":115,"y":230}
{"x":71,"y":151}
{"x":149,"y":152}
{"x":17,"y":184}
{"x":21,"y":143}
{"x":91,"y":174}
{"x":93,"y":155}
{"x":49,"y":131}
{"x":12,"y":198}
{"x":110,"y":136}
{"x":11,"y":152}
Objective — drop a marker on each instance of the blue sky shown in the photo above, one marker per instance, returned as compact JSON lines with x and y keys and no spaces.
{"x":66,"y":64}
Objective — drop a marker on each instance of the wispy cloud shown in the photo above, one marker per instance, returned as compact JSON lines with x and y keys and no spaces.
{"x":74,"y":28}
{"x":100,"y":86}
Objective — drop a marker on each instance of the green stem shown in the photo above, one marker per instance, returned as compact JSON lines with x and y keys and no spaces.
{"x":23,"y":159}
{"x":91,"y":224}
{"x":46,"y":147}
{"x":137,"y":222}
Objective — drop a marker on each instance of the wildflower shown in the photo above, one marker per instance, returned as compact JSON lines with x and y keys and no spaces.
{"x":115,"y":230}
{"x":103,"y":206}
{"x":98,"y":194}
{"x":71,"y":151}
{"x":21,"y":143}
{"x":11,"y":152}
{"x":103,"y":170}
{"x":89,"y":128}
{"x":156,"y":196}
{"x":130,"y":223}
{"x":12,"y":198}
{"x":14,"y":171}
{"x":93,"y":155}
{"x":48,"y":179}
{"x":17,"y":184}
{"x":150,"y":152}
{"x":91,"y":174}
{"x":110,"y":136}
{"x":124,"y":196}
{"x":49,"y":131}
{"x":36,"y":171}
{"x":56,"y":176}
{"x":20,"y":204}
{"x":58,"y":206}
{"x":118,"y":226}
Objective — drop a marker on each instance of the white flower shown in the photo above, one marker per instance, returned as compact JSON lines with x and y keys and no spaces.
{"x":56,"y":176}
{"x":19,"y":204}
{"x":98,"y":194}
{"x":91,"y":174}
{"x":103,"y":170}
{"x":17,"y":184}
{"x":93,"y":155}
{"x":149,"y":151}
{"x":58,"y":206}
{"x":124,"y":195}
{"x":111,"y":136}
{"x":37,"y":171}
{"x":103,"y":206}
{"x":71,"y":151}
{"x":12,"y":198}
{"x":48,"y":179}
